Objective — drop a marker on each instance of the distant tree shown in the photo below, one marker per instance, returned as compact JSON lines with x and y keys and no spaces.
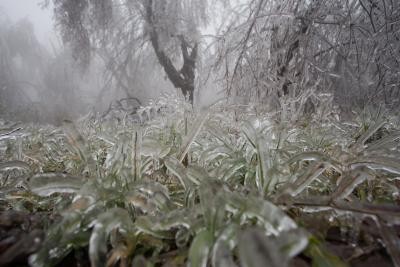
{"x":35,"y":85}
{"x":351,"y":48}
{"x":123,"y":28}
{"x":19,"y":52}
{"x":60,"y":94}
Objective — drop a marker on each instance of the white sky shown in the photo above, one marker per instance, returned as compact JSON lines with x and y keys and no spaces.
{"x":40,"y":18}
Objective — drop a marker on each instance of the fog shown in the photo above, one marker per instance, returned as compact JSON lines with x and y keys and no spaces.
{"x":42,"y":80}
{"x":32,"y":10}
{"x":62,"y":59}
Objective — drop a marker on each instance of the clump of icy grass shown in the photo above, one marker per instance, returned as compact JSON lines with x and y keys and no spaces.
{"x":211,"y":187}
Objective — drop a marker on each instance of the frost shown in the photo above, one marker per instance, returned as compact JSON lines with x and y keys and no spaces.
{"x":221,"y":190}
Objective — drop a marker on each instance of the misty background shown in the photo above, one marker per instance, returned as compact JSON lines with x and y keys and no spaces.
{"x":107,"y":56}
{"x":41,"y":82}
{"x":41,"y":19}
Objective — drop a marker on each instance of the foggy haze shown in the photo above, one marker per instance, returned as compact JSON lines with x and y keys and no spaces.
{"x":41,"y":18}
{"x":203,"y":50}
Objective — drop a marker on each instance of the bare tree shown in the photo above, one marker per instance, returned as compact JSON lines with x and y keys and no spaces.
{"x":34,"y":84}
{"x":171,"y":27}
{"x":19,"y":52}
{"x":350,"y":48}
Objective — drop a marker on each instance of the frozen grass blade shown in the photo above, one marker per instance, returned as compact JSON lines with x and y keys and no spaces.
{"x":258,"y":250}
{"x":149,"y":196}
{"x":15,"y":165}
{"x":177,"y":168}
{"x":161,"y":226}
{"x":386,"y":142}
{"x":136,"y":155}
{"x":236,"y":166}
{"x":317,"y":157}
{"x":260,"y":146}
{"x":50,"y":183}
{"x":302,"y":182}
{"x":189,"y":139}
{"x":200,"y":249}
{"x":221,"y":254}
{"x":292,"y":242}
{"x":272,"y":218}
{"x":102,"y":227}
{"x":323,"y":203}
{"x":75,"y":138}
{"x":371,"y":130}
{"x":391,"y":165}
{"x":154,"y":148}
{"x":350,"y":181}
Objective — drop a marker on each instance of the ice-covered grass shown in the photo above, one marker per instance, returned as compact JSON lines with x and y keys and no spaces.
{"x":226,"y":186}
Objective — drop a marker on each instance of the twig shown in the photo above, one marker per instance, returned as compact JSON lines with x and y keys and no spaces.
{"x":12,"y":131}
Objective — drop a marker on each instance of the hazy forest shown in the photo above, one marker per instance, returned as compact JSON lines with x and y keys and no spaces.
{"x":201,"y":133}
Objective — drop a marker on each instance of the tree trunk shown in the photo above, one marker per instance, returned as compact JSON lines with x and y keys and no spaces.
{"x":185,"y":77}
